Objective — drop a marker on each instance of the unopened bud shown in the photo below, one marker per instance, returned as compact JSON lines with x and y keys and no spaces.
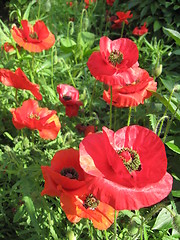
{"x":70,"y":235}
{"x":157,"y":71}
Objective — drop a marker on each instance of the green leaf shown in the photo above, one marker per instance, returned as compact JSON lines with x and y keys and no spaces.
{"x":174,"y":144}
{"x":19,"y":214}
{"x":26,"y":14}
{"x":172,"y":33}
{"x":156,"y":26}
{"x":86,"y":39}
{"x":176,"y":193}
{"x":172,"y":107}
{"x":31,"y":211}
{"x":68,"y":42}
{"x":163,"y":220}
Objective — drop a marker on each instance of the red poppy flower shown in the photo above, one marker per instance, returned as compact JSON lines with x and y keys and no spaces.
{"x":133,"y":94}
{"x":69,"y":97}
{"x":87,"y":206}
{"x":140,"y":31}
{"x":19,"y":80}
{"x":122,"y":17}
{"x":65,"y":178}
{"x":33,"y":38}
{"x":129,"y":166}
{"x":110,"y":2}
{"x":30,"y":115}
{"x":8,"y":47}
{"x":112,"y":65}
{"x":69,"y":3}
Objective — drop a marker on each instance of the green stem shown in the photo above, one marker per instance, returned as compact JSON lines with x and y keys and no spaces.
{"x":90,"y":230}
{"x":129,"y":116}
{"x":115,"y":224}
{"x":169,"y":124}
{"x":122,"y":29}
{"x":105,"y":234}
{"x":90,"y":104}
{"x":52,"y":68}
{"x":16,"y":98}
{"x":165,"y":112}
{"x":115,"y":115}
{"x":110,"y":122}
{"x":39,"y":8}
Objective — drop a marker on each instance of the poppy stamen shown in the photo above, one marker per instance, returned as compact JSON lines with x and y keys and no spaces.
{"x":31,"y":116}
{"x":130,"y":159}
{"x":69,"y":173}
{"x":91,"y":202}
{"x":33,"y":35}
{"x":115,"y":57}
{"x":67,"y":98}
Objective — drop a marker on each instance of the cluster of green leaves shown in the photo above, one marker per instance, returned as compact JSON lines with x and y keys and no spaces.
{"x":24,"y":213}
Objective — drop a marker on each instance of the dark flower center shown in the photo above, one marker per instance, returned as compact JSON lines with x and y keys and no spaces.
{"x":91,"y":202}
{"x":31,"y":116}
{"x":33,"y":35}
{"x":69,"y":173}
{"x":67,"y":98}
{"x":130,"y":159}
{"x":115,"y":57}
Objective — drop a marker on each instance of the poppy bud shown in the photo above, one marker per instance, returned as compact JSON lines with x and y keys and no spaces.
{"x":85,"y":23}
{"x":157,"y":71}
{"x":71,"y":235}
{"x":48,"y":5}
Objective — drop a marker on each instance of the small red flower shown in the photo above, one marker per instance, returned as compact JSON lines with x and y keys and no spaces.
{"x":129,"y":166}
{"x":112,"y":65}
{"x":69,"y":97}
{"x":33,"y":38}
{"x":140,"y":31}
{"x":133,"y":94}
{"x":66,"y":179}
{"x":110,"y":2}
{"x":122,"y":17}
{"x":8,"y":47}
{"x":88,"y":2}
{"x":19,"y":80}
{"x":69,"y":3}
{"x":31,"y":116}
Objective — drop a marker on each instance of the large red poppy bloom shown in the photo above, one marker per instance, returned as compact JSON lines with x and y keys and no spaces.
{"x":112,"y":65}
{"x":133,"y":94}
{"x":129,"y":166}
{"x":140,"y":31}
{"x":31,"y":116}
{"x":33,"y":38}
{"x":69,"y":97}
{"x":66,"y":179}
{"x":19,"y":80}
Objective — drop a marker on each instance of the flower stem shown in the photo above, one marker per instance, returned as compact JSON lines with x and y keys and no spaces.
{"x":129,"y":116}
{"x":52,"y":68}
{"x":115,"y":224}
{"x":115,"y":115}
{"x":90,"y":230}
{"x":122,"y":29}
{"x":165,"y":112}
{"x":105,"y":234}
{"x":110,"y":122}
{"x":90,"y":104}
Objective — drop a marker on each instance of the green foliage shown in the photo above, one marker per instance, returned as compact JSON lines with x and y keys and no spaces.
{"x":25,"y":214}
